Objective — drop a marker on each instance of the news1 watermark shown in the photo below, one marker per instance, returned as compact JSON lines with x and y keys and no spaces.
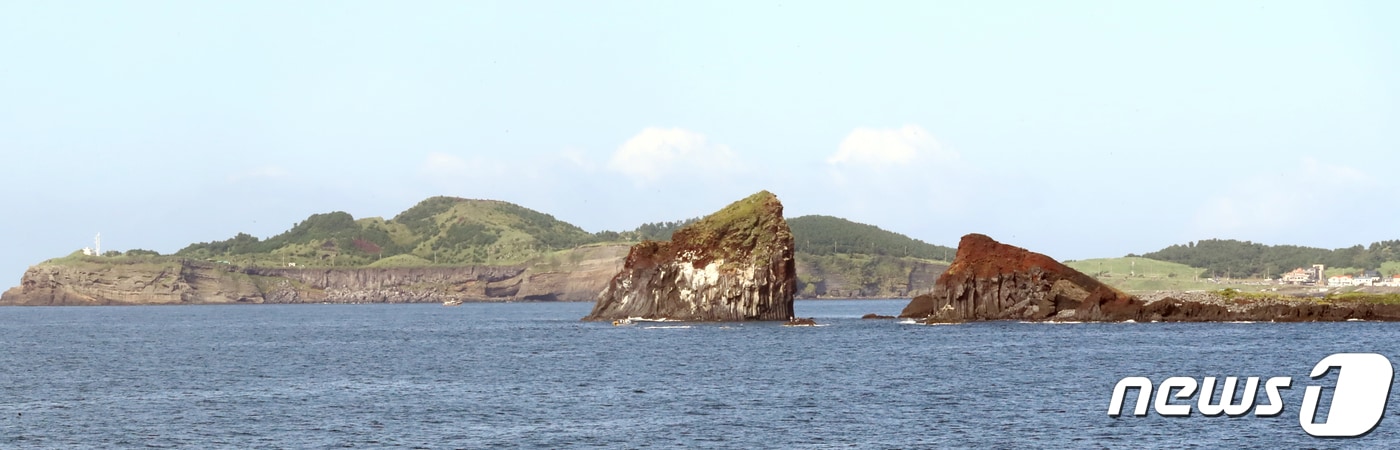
{"x":1358,"y":399}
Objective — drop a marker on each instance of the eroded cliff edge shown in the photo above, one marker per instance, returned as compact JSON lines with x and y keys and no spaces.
{"x":168,"y":280}
{"x":736,"y":264}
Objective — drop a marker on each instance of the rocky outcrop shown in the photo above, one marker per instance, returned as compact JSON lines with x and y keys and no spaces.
{"x":165,"y":280}
{"x":988,"y":280}
{"x":1211,"y":307}
{"x":145,"y":282}
{"x":801,"y":322}
{"x":736,"y":264}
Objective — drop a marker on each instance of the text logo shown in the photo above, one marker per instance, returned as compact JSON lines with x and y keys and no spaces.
{"x":1358,"y":399}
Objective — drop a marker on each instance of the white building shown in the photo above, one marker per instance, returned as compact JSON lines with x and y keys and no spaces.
{"x":1340,"y":280}
{"x":1297,"y":276}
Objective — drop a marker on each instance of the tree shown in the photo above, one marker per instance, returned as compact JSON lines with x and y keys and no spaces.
{"x":1390,"y":268}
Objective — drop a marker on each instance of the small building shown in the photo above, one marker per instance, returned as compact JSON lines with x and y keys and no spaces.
{"x":1340,"y":280}
{"x":1297,"y":276}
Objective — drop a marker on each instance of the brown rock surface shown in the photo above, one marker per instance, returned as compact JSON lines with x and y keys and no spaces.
{"x":989,"y":280}
{"x":736,"y":264}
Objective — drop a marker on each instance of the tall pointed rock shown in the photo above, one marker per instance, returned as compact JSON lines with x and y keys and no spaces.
{"x":736,"y":264}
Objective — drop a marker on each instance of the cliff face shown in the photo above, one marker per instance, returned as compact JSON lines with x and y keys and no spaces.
{"x":117,"y":284}
{"x":736,"y":264}
{"x":989,"y":280}
{"x":173,"y":281}
{"x":830,"y":276}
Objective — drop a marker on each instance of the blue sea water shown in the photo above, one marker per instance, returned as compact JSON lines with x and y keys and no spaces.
{"x":531,"y":375}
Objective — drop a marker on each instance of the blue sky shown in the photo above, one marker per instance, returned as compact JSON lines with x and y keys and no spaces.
{"x":1077,"y":129}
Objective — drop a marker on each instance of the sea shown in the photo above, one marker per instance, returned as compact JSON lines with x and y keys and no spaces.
{"x":531,"y":375}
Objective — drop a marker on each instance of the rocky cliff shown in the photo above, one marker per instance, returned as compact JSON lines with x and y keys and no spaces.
{"x":166,"y":280}
{"x":864,"y":276}
{"x":736,"y":264}
{"x":142,"y":282}
{"x":988,"y":280}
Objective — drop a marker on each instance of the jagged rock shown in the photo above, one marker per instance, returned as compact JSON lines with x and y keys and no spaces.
{"x":736,"y":264}
{"x":989,"y":280}
{"x":801,"y":322}
{"x":876,"y":316}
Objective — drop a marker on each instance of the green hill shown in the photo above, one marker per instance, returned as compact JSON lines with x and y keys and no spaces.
{"x":1245,"y":259}
{"x":836,"y":257}
{"x":826,"y":235}
{"x":440,"y":230}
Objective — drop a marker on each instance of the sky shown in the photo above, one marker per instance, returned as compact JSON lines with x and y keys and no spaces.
{"x":1075,"y":129}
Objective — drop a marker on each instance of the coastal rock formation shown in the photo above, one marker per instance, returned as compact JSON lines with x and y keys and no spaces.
{"x":165,"y":280}
{"x":170,"y":282}
{"x":1211,"y":307}
{"x":801,"y":322}
{"x":736,"y":264}
{"x":989,"y":280}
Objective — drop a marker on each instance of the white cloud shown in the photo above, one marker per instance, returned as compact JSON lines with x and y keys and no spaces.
{"x":906,"y":163}
{"x":890,"y":146}
{"x":655,"y":153}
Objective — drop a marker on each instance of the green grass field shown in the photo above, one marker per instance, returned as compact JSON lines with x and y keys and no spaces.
{"x":1138,"y":274}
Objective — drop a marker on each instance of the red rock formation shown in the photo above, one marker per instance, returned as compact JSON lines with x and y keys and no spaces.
{"x":736,"y":264}
{"x":989,"y":280}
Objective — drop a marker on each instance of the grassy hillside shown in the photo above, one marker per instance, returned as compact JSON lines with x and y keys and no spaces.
{"x":450,"y":230}
{"x":837,"y":257}
{"x":826,"y":235}
{"x":858,"y":275}
{"x":1137,"y":274}
{"x":439,"y":230}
